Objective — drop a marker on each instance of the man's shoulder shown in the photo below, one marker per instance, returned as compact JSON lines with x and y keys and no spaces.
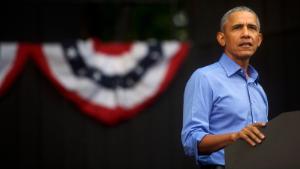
{"x":209,"y":69}
{"x":207,"y":73}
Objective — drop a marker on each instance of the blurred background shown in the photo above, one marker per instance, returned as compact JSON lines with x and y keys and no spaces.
{"x":41,"y":129}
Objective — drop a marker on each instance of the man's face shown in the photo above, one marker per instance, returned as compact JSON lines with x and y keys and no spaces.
{"x":241,"y":36}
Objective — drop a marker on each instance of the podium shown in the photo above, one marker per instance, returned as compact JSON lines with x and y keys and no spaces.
{"x":279,"y":150}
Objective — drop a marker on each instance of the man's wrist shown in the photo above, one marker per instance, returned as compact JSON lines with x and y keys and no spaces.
{"x":233,"y":137}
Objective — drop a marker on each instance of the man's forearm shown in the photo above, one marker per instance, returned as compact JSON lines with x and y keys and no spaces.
{"x":211,"y":143}
{"x":251,"y":134}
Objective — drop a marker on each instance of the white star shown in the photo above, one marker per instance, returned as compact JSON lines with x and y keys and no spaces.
{"x":97,"y":76}
{"x":81,"y":72}
{"x":155,"y":55}
{"x":139,"y":70}
{"x":129,"y":82}
{"x":71,"y":53}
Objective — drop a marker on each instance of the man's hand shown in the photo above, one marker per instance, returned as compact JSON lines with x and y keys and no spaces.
{"x":251,"y":134}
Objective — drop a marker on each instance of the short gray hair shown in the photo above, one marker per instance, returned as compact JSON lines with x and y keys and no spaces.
{"x":237,"y":9}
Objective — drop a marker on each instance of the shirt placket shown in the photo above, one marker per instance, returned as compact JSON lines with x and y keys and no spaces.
{"x":248,"y":83}
{"x":250,"y":100}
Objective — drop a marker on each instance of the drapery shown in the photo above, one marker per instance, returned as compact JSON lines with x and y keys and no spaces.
{"x":108,"y":81}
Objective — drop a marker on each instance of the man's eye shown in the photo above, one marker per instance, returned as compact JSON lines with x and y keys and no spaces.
{"x":253,"y":27}
{"x":236,"y":27}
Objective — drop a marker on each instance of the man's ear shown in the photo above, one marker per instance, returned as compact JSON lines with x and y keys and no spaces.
{"x":221,"y":39}
{"x":260,"y":36}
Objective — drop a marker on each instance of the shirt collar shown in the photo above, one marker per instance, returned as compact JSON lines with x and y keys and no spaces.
{"x":253,"y":74}
{"x":231,"y":67}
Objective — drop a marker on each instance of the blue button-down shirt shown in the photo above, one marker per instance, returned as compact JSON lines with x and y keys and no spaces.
{"x":220,"y":99}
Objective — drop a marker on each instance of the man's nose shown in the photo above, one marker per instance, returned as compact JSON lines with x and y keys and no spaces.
{"x":245,"y":32}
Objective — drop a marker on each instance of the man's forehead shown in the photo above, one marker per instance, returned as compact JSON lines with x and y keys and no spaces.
{"x":242,"y":16}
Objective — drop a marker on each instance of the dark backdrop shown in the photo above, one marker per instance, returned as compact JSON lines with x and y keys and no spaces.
{"x":40,"y":129}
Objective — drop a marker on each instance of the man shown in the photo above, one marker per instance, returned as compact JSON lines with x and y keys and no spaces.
{"x":224,"y":102}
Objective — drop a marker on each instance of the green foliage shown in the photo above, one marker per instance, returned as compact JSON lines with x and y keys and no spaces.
{"x":127,"y":21}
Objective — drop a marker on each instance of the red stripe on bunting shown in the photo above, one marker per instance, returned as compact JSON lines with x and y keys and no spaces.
{"x":172,"y":69}
{"x":114,"y":49}
{"x":106,"y":115}
{"x":16,"y":68}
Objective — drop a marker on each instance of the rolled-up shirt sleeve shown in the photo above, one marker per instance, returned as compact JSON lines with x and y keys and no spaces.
{"x":197,"y":106}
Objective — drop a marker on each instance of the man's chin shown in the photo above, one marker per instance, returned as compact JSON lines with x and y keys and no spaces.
{"x":245,"y":55}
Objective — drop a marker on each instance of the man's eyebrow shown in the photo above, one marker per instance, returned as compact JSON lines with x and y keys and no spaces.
{"x":252,"y":25}
{"x":238,"y":25}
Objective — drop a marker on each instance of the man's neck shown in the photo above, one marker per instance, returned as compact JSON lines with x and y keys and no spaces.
{"x":244,"y":63}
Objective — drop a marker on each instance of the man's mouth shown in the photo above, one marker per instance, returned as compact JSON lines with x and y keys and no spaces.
{"x":245,"y":44}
